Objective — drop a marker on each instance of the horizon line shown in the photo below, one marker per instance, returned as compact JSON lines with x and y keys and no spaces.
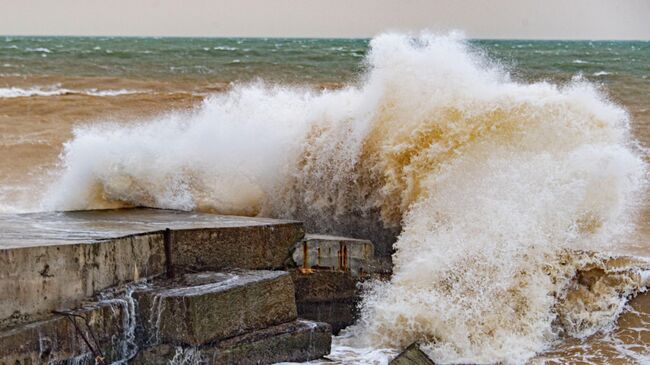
{"x":315,"y":38}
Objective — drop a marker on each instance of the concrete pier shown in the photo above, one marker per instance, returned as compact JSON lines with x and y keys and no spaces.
{"x":51,"y":261}
{"x":148,"y":286}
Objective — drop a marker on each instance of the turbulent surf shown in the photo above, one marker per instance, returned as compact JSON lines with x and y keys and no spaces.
{"x":503,"y":190}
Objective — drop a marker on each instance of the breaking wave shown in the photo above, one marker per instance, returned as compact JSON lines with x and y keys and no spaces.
{"x":57,"y":90}
{"x":497,"y":186}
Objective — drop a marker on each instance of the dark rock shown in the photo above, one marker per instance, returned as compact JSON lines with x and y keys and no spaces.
{"x":412,"y":355}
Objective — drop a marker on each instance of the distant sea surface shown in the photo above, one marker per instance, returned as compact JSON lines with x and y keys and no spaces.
{"x":206,"y":60}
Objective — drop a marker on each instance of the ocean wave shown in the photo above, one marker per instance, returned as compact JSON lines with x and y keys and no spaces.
{"x":39,"y":49}
{"x":95,"y":92}
{"x":17,"y":92}
{"x":225,"y":48}
{"x":498,"y":187}
{"x":602,"y":73}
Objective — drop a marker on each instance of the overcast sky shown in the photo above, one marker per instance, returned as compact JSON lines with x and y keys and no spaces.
{"x":549,"y":19}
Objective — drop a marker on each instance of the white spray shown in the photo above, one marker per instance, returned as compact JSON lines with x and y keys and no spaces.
{"x":493,"y":182}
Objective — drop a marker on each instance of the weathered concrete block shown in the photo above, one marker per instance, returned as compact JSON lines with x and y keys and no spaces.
{"x":327,"y":296}
{"x":290,"y":342}
{"x":255,"y":247}
{"x":368,"y":225}
{"x":295,"y":341}
{"x":45,"y":278}
{"x":56,"y":259}
{"x":56,"y":340}
{"x":335,"y":253}
{"x":205,"y":307}
{"x":412,"y":355}
{"x":329,"y":269}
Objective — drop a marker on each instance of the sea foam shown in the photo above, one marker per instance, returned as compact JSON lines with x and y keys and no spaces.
{"x":493,"y":183}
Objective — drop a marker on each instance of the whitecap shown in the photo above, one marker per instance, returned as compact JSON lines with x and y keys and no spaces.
{"x":16,"y":92}
{"x":225,"y":48}
{"x":40,"y":49}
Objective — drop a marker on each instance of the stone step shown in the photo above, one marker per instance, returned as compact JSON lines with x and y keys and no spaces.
{"x":58,"y":259}
{"x":296,"y":341}
{"x":252,"y":243}
{"x":200,"y":308}
{"x":327,"y":296}
{"x":56,"y":339}
{"x":328,"y":271}
{"x":335,"y":253}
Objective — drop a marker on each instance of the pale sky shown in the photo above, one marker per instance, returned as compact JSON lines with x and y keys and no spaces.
{"x":549,"y":19}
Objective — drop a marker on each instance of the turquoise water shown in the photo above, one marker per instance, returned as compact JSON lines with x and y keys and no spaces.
{"x":283,"y":60}
{"x":296,"y":60}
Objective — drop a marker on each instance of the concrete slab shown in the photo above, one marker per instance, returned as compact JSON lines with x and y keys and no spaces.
{"x":296,"y":341}
{"x":55,"y":260}
{"x":290,"y":342}
{"x":210,"y":306}
{"x":328,"y":271}
{"x":327,"y":296}
{"x":36,"y":280}
{"x":256,"y":247}
{"x":56,"y":339}
{"x":58,"y":228}
{"x":352,"y":255}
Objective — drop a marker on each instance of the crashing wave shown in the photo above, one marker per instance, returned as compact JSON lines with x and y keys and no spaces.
{"x":495,"y":184}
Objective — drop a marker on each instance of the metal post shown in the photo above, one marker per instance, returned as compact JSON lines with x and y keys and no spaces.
{"x":169,"y":264}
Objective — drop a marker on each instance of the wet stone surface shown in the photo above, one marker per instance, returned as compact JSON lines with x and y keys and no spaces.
{"x":58,"y":259}
{"x":224,"y":305}
{"x":324,"y":252}
{"x":61,"y":337}
{"x":327,"y":296}
{"x":57,"y":228}
{"x":295,"y":341}
{"x":200,"y":308}
{"x":327,"y":276}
